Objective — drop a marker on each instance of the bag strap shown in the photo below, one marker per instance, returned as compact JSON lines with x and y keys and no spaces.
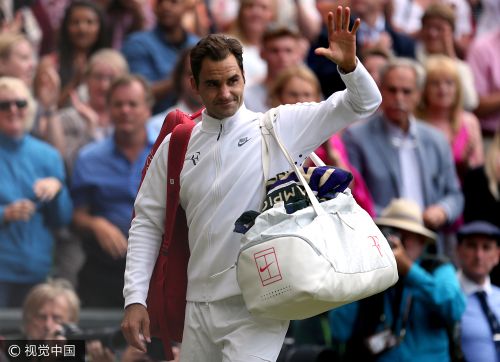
{"x":268,"y":128}
{"x":177,"y":148}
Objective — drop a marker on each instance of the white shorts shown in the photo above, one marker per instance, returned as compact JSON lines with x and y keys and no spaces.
{"x":224,"y":331}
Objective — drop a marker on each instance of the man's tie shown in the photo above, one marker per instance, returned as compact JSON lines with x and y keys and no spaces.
{"x":492,"y":320}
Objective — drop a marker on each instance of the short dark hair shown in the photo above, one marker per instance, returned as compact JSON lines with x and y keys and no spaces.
{"x":216,"y":47}
{"x":273,"y":33}
{"x":128,"y":79}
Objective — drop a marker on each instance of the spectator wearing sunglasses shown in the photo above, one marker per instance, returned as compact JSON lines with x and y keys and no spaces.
{"x":33,"y":196}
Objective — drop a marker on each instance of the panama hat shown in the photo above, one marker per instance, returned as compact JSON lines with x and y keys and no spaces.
{"x":405,"y":215}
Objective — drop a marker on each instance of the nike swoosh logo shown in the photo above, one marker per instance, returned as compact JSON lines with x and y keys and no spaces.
{"x":263,"y":268}
{"x":242,"y":141}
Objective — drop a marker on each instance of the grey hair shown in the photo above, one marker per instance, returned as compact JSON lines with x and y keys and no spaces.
{"x":400,"y":62}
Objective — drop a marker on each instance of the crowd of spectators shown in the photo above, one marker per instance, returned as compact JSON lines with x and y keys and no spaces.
{"x":86,"y":84}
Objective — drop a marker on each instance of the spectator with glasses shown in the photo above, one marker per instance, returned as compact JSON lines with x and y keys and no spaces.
{"x":33,"y":196}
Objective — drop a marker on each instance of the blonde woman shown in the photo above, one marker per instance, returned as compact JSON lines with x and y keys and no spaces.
{"x":299,"y":84}
{"x":441,"y":106}
{"x":33,"y":197}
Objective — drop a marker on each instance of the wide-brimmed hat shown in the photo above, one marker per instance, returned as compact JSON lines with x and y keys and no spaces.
{"x":405,"y":215}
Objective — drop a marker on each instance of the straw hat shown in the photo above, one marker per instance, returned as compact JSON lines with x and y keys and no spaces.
{"x":405,"y":215}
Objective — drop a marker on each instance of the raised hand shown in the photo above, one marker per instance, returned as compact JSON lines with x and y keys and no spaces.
{"x":342,"y":41}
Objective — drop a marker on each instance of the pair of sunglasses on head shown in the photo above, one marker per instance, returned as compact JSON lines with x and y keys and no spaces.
{"x":7,"y":105}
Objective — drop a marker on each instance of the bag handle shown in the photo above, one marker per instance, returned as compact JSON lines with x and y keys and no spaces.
{"x":267,"y":126}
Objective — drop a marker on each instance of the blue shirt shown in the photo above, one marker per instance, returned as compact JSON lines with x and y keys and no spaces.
{"x":26,"y":246}
{"x":477,"y":340}
{"x":436,"y":299}
{"x":107,"y":182}
{"x":149,"y":54}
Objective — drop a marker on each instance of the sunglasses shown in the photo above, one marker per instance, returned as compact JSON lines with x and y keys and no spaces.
{"x":7,"y":105}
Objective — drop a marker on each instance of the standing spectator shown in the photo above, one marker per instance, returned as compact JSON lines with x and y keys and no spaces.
{"x":482,"y":187}
{"x":478,"y":253}
{"x":188,"y":100}
{"x":83,"y":32}
{"x":17,"y":57}
{"x":124,"y":17}
{"x":88,"y":118}
{"x":484,"y":59}
{"x":105,"y":180}
{"x":436,"y":38}
{"x":376,"y":32}
{"x":401,"y":157}
{"x":153,"y":53}
{"x":280,"y":50}
{"x":441,"y":106}
{"x":33,"y":196}
{"x":482,"y":193}
{"x":49,"y":15}
{"x":375,"y":59}
{"x":254,"y":17}
{"x":410,"y":320}
{"x":81,"y":123}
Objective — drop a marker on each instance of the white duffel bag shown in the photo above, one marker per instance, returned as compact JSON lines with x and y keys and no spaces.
{"x":294,"y":266}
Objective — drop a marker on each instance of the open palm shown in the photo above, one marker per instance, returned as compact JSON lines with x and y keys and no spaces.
{"x":341,"y":41}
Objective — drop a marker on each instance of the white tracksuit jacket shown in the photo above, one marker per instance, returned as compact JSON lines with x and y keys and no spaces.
{"x":222,"y":177}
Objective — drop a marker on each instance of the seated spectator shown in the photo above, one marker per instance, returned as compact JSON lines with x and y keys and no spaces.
{"x":478,"y":253}
{"x":153,"y":53}
{"x":441,"y":106}
{"x":34,"y":199}
{"x":106,"y":177}
{"x":409,"y":321}
{"x":436,"y":38}
{"x":401,"y":157}
{"x":299,"y":84}
{"x":53,"y":307}
{"x":47,"y":307}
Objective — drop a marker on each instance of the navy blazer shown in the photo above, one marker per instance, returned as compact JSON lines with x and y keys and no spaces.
{"x":374,"y":155}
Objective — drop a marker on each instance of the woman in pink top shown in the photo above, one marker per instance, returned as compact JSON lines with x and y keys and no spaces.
{"x":300,"y":84}
{"x":441,"y":107}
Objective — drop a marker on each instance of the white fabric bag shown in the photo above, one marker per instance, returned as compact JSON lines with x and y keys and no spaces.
{"x":294,"y":266}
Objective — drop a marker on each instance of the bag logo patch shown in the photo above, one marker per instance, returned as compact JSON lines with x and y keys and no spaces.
{"x":267,"y":266}
{"x":375,"y":243}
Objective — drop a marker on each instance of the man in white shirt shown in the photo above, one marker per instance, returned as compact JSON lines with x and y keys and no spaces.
{"x":478,"y":253}
{"x":220,"y":183}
